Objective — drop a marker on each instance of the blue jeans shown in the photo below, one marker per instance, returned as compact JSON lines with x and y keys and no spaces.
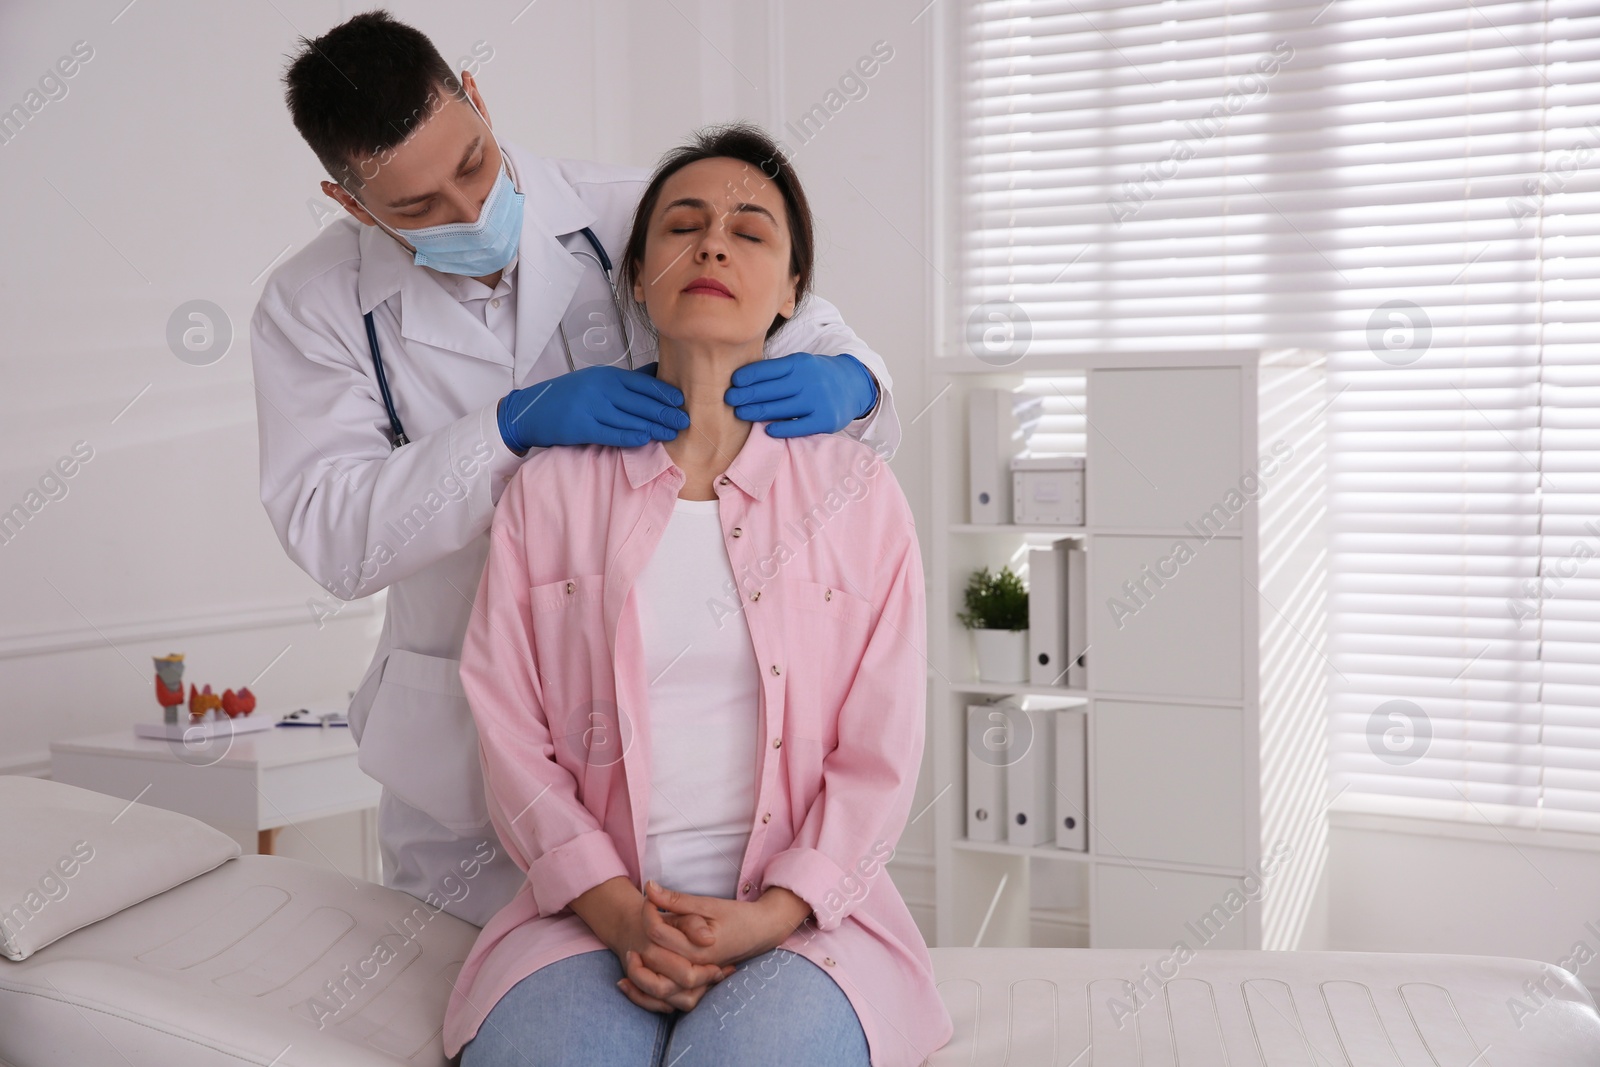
{"x":776,"y":1008}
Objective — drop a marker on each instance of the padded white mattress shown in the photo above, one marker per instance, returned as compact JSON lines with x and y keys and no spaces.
{"x":267,"y":960}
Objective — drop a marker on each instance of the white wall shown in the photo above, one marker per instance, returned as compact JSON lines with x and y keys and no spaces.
{"x":1417,"y":885}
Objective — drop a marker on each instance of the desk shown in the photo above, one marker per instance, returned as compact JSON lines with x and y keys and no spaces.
{"x":252,"y":782}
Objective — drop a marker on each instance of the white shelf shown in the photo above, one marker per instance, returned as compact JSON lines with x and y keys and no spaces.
{"x":1083,"y":532}
{"x":1013,"y":528}
{"x":1062,"y":916}
{"x":1076,"y":698}
{"x":1165,"y":698}
{"x":1048,"y":852}
{"x":1205,"y":709}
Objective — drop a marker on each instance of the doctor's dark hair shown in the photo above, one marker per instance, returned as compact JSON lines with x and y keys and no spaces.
{"x":748,"y":144}
{"x":362,"y":88}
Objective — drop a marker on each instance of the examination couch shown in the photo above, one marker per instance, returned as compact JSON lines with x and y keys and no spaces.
{"x":168,"y":949}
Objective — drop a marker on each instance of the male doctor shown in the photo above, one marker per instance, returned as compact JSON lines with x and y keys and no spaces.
{"x":484,"y":292}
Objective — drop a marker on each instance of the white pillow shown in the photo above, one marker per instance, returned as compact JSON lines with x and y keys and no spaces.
{"x":72,"y":856}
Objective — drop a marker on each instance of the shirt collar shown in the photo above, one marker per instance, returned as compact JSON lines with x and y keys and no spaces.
{"x":463,"y":288}
{"x":752,"y":470}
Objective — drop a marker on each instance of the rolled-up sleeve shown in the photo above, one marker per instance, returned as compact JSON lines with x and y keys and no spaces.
{"x":868,"y":779}
{"x":532,"y":800}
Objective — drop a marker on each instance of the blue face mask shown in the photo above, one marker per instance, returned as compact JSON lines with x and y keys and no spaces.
{"x":473,"y":249}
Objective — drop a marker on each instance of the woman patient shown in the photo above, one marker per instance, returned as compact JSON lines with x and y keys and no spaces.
{"x":697,"y":673}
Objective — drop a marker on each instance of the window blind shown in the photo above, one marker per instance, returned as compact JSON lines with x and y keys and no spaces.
{"x":1412,"y":187}
{"x":1061,"y":422}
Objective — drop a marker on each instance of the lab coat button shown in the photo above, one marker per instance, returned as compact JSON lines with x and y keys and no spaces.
{"x":775,"y":669}
{"x":827,"y":594}
{"x":737,"y":532}
{"x":757,"y":596}
{"x":777,"y":742}
{"x":495,"y":302}
{"x":571,"y":586}
{"x":748,"y":887}
{"x":829,"y":961}
{"x":766,"y":818}
{"x":723,"y":480}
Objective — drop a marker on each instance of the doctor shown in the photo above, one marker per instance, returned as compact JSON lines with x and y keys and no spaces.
{"x":484,"y":270}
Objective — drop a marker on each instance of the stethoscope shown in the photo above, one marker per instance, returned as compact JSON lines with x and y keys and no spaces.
{"x":599,"y":257}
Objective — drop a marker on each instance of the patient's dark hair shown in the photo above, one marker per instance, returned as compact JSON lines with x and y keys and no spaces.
{"x":364,"y":87}
{"x":749,"y":144}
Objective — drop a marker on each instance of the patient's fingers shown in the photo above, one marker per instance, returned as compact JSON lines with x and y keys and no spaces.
{"x":663,"y":973}
{"x":669,"y":936}
{"x":686,"y":1000}
{"x":657,"y":992}
{"x":657,"y":985}
{"x":683,"y":972}
{"x":643,"y":999}
{"x":695,"y":928}
{"x":663,"y":930}
{"x":681,"y":903}
{"x":682,"y":1001}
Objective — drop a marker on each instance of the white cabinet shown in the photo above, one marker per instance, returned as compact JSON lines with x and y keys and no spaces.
{"x":1171,"y":783}
{"x":1206,"y":758}
{"x":1146,"y":595}
{"x":1166,"y":443}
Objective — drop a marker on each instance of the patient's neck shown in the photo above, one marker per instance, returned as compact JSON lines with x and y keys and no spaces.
{"x":703,"y":371}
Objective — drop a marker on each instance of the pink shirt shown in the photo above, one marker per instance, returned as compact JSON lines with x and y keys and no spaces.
{"x":824,"y":551}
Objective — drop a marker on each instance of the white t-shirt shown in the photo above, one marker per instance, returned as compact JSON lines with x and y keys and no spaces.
{"x":704,"y":699}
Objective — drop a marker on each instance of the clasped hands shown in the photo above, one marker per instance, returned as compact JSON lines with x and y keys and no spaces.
{"x":675,"y":946}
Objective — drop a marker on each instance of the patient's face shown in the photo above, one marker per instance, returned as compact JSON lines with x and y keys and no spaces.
{"x":718,"y":219}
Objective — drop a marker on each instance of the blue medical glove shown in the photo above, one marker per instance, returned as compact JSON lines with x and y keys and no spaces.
{"x":595,"y":405}
{"x":802,"y":393}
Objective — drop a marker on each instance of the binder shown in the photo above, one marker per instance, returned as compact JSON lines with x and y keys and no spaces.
{"x":1077,"y":621}
{"x":1030,"y":774}
{"x":998,"y":422}
{"x":1047,"y":614}
{"x":986,"y":803}
{"x":1071,"y":791}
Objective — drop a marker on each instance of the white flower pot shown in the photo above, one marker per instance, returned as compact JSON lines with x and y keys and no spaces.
{"x":1002,"y":655}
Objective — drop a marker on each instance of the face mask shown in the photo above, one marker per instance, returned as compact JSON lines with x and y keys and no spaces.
{"x":473,"y":249}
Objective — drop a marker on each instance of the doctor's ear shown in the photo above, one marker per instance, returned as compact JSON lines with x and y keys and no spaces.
{"x":469,"y":85}
{"x":342,"y":196}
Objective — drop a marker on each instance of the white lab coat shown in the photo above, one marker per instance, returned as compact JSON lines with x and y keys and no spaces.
{"x":359,"y":516}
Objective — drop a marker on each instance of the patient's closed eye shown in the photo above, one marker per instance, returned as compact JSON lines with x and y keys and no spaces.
{"x":690,"y":229}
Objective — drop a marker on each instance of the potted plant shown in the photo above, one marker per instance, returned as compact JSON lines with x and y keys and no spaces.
{"x":997,"y":615}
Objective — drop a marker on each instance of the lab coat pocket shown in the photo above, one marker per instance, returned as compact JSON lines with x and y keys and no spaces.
{"x":421,"y":743}
{"x":830,"y":628}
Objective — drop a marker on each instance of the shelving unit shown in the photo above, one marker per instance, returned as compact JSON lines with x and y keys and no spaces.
{"x":1205,"y":702}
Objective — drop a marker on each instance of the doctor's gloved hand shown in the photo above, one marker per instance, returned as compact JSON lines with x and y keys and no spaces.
{"x":594,"y":405}
{"x":802,"y":393}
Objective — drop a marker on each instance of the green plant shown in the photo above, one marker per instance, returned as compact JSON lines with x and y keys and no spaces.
{"x":995,"y":601}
